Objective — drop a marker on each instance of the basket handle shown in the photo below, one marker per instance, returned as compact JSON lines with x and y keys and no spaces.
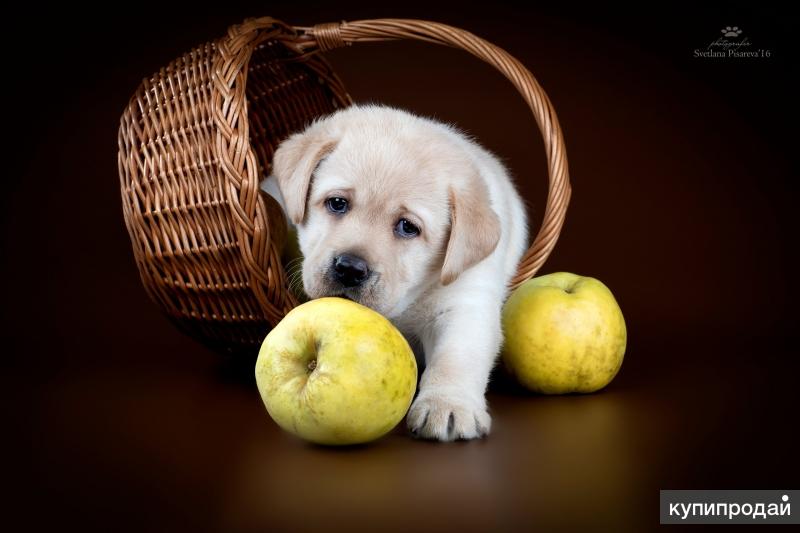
{"x":323,"y":37}
{"x":239,"y":164}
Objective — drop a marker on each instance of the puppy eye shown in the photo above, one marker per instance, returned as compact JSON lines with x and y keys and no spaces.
{"x":406,"y":229}
{"x":337,"y":205}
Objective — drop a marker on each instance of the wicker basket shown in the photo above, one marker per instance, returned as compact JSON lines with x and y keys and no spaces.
{"x":198,"y":136}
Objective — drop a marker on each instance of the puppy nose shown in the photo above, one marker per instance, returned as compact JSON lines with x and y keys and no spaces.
{"x":350,"y":270}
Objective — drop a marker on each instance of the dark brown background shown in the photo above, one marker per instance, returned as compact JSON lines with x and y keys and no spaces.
{"x":683,"y":205}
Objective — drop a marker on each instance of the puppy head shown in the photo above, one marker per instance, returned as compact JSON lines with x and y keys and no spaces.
{"x":386,"y":205}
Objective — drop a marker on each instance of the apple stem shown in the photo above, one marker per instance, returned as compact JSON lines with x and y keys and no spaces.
{"x":312,"y":365}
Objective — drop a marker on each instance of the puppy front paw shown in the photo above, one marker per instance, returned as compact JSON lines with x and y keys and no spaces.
{"x":448,"y":417}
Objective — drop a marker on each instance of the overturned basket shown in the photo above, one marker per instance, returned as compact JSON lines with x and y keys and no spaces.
{"x":198,"y":136}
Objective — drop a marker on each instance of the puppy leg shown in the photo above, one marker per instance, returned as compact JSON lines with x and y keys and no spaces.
{"x":461,"y":346}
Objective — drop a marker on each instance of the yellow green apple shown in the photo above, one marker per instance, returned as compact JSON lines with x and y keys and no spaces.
{"x":563,"y":333}
{"x":336,"y":372}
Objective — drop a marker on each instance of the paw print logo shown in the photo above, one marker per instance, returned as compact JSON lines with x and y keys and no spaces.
{"x":731,"y":31}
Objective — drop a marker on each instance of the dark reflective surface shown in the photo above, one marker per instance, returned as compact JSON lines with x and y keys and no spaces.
{"x":191,"y":446}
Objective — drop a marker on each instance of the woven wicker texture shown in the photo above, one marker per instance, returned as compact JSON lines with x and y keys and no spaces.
{"x":198,"y":136}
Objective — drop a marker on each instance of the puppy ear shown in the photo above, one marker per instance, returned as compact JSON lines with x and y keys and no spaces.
{"x":293,"y":164}
{"x":474,"y":229}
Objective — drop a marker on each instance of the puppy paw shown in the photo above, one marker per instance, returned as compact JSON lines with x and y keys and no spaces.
{"x":447,"y":418}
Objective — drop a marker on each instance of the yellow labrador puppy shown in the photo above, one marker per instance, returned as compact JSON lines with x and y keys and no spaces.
{"x":413,"y":219}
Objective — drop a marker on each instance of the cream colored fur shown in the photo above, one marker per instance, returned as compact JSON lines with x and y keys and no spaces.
{"x":443,"y":289}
